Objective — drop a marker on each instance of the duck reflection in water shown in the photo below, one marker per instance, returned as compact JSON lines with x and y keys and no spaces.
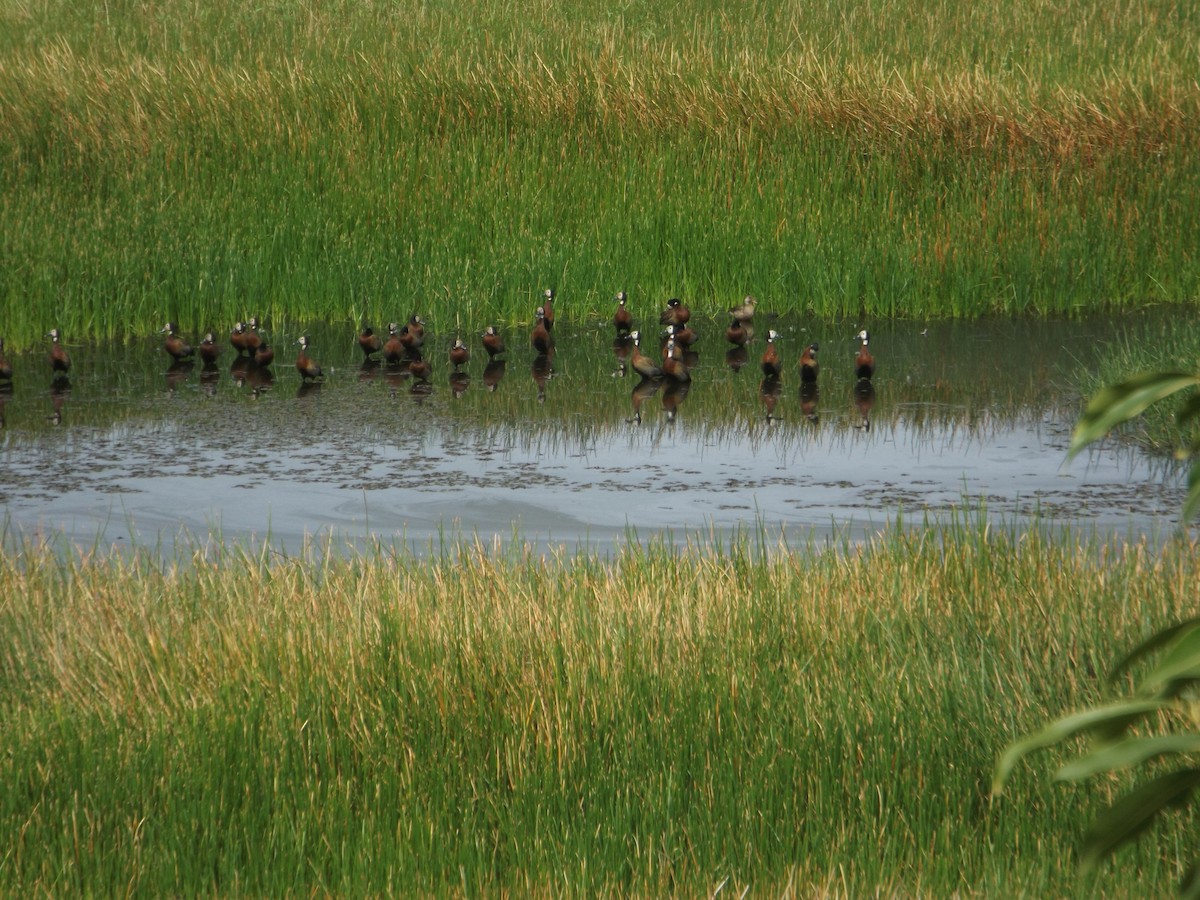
{"x":239,"y":369}
{"x":810,"y":394}
{"x":309,"y":389}
{"x":864,"y":400}
{"x":459,"y":382}
{"x":543,"y":371}
{"x":736,"y":358}
{"x":260,"y":378}
{"x":209,"y":376}
{"x":60,"y":390}
{"x":622,"y":345}
{"x":178,"y":372}
{"x":642,"y":391}
{"x":769,"y":390}
{"x":673,"y":396}
{"x":6,"y":392}
{"x":492,"y":373}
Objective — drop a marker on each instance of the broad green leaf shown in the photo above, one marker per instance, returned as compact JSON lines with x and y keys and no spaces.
{"x":1159,"y":639}
{"x":1123,"y":401}
{"x":1126,"y":753}
{"x":1181,"y":662}
{"x":1067,"y":727}
{"x":1133,"y":813}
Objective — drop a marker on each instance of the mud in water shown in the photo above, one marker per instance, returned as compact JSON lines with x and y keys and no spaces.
{"x":572,"y":450}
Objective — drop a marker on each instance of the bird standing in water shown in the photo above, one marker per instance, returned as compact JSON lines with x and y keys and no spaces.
{"x":177,"y":347}
{"x":305,"y":365}
{"x":60,"y":362}
{"x":809,"y":367}
{"x":864,"y":362}
{"x":771,"y":366}
{"x":622,"y":318}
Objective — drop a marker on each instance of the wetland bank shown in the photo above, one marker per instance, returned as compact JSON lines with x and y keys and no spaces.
{"x":598,"y":709}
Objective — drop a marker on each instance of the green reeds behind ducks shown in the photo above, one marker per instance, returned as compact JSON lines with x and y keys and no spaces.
{"x":207,"y":167}
{"x":497,"y":721}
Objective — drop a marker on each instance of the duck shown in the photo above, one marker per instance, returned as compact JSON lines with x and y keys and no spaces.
{"x":252,"y":339}
{"x":412,"y":334}
{"x":369,"y":342}
{"x":673,"y":366}
{"x":684,"y":335}
{"x":548,"y":308}
{"x":540,"y":338}
{"x":393,"y":347}
{"x":864,"y":362}
{"x":771,"y":366}
{"x":492,"y":342}
{"x":305,"y":365}
{"x":809,"y":367}
{"x":60,"y":361}
{"x":264,"y":355}
{"x":640,"y":362}
{"x":459,"y":354}
{"x":237,"y":338}
{"x":209,"y":349}
{"x":675,"y":313}
{"x":744,"y":311}
{"x":176,"y":347}
{"x":622,"y":318}
{"x":739,"y":333}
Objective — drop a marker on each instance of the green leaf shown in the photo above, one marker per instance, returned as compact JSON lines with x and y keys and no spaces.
{"x":1133,"y":813}
{"x":1126,"y":753}
{"x":1180,"y":663}
{"x":1067,"y":727}
{"x":1159,"y":639}
{"x":1123,"y":401}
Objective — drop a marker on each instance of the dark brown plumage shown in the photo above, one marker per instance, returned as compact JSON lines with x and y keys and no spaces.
{"x":640,"y":362}
{"x":209,"y":349}
{"x":864,"y":362}
{"x":369,"y":342}
{"x":492,"y":342}
{"x":675,"y":313}
{"x":60,"y":361}
{"x":459,"y":354}
{"x":305,"y":365}
{"x":176,"y":347}
{"x":540,"y":338}
{"x":809,"y":367}
{"x":622,"y":318}
{"x":771,"y":366}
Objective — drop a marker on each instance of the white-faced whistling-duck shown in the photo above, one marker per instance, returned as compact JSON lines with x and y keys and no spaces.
{"x":264,"y":355}
{"x":237,"y":338}
{"x":60,"y":362}
{"x":864,"y":362}
{"x":771,"y":366}
{"x":739,"y":333}
{"x":492,"y":342}
{"x":540,"y":338}
{"x":176,"y":347}
{"x":640,"y":362}
{"x":673,"y":365}
{"x":252,"y":338}
{"x":369,"y":342}
{"x":305,"y":365}
{"x":548,"y":308}
{"x":393,"y":348}
{"x":809,"y":367}
{"x":744,"y":311}
{"x":683,"y":335}
{"x":209,"y":349}
{"x":675,"y":313}
{"x":459,"y":354}
{"x":622,"y":318}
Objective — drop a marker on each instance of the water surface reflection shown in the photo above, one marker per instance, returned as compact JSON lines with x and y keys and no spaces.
{"x":569,"y":446}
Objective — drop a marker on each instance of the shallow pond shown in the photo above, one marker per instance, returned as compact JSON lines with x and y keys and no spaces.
{"x":963,"y":420}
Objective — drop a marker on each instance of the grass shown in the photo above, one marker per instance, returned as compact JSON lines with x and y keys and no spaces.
{"x":236,"y":721}
{"x":329,"y":162}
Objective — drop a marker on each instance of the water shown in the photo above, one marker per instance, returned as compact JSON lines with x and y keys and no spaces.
{"x":970,"y":419}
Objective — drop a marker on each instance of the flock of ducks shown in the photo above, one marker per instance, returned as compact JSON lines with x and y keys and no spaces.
{"x":402,"y":351}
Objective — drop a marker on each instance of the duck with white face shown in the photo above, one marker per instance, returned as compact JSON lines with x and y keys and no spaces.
{"x":864,"y":361}
{"x":307,"y":367}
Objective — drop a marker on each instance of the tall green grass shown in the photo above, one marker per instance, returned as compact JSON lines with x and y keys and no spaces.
{"x":331,"y":160}
{"x":491,"y":720}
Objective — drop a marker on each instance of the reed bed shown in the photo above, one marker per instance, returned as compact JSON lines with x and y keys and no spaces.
{"x":325,"y":162}
{"x":805,"y":720}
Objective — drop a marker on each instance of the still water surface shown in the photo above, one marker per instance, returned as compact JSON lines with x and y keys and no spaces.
{"x":964,"y":419}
